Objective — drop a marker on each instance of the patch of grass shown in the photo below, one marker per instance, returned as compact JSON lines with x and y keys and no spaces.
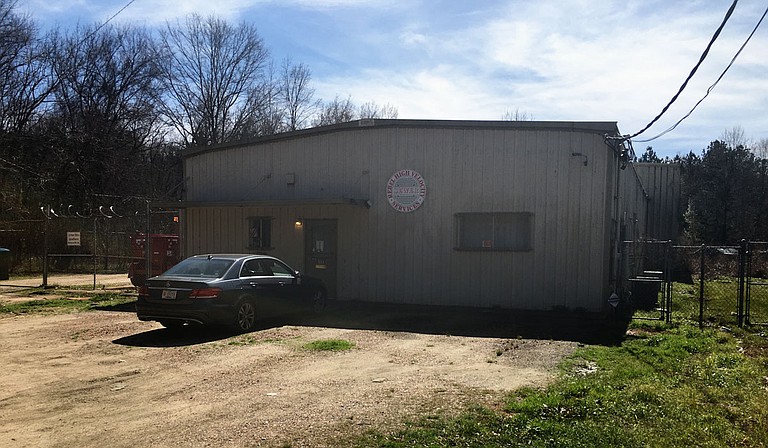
{"x":334,"y":345}
{"x":29,"y":292}
{"x":671,"y":387}
{"x":240,"y":341}
{"x":63,"y":302}
{"x":720,"y":302}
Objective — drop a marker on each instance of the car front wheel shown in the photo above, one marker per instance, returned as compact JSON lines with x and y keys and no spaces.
{"x":245,"y":316}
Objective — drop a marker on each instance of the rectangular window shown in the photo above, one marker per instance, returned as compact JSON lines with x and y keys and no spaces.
{"x":260,"y":232}
{"x":494,"y":231}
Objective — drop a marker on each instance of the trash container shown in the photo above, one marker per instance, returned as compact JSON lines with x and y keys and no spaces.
{"x":5,"y":263}
{"x":645,"y":293}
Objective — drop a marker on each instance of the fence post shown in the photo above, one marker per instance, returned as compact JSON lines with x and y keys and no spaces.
{"x":46,"y":228}
{"x":701,"y":287}
{"x":742,"y":274}
{"x":95,"y":259}
{"x":668,"y":281}
{"x":747,"y":282}
{"x":148,"y":243}
{"x":624,"y":309}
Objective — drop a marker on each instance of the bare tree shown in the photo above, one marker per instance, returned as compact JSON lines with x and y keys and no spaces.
{"x":104,"y":114}
{"x":373,"y":110}
{"x":16,"y":32}
{"x":336,"y":111}
{"x":24,"y":84}
{"x":761,"y":149}
{"x":107,"y":82}
{"x":268,"y":114}
{"x":297,"y":95}
{"x":736,"y":137}
{"x":25,"y":80}
{"x":516,"y":115}
{"x":342,"y":111}
{"x":214,"y":78}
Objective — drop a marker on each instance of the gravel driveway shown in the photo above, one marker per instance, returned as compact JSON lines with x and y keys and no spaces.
{"x":104,"y":378}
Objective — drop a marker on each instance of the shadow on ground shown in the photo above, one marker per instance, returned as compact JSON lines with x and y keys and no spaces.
{"x":185,"y":336}
{"x":456,"y":321}
{"x":127,"y":307}
{"x":464,"y":321}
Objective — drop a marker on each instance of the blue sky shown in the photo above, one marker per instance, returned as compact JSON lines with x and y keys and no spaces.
{"x":572,"y":60}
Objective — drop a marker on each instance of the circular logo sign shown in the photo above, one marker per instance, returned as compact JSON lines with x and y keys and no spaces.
{"x":406,"y":190}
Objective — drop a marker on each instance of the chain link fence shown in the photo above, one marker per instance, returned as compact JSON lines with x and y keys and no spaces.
{"x":64,"y":242}
{"x":756,"y":300}
{"x":711,"y":285}
{"x":23,"y":238}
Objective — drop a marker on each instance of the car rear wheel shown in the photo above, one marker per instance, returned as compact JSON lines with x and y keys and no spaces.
{"x":245,"y":316}
{"x":319,"y":300}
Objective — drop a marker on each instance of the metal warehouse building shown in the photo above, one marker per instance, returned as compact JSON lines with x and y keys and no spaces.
{"x":521,"y":215}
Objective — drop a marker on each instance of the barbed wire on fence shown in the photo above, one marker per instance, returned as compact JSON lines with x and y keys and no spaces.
{"x":72,"y":239}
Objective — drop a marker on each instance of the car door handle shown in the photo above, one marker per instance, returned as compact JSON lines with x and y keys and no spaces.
{"x":254,"y":284}
{"x":281,"y":283}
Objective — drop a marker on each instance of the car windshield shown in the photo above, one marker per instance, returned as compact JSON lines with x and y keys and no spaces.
{"x":201,"y":267}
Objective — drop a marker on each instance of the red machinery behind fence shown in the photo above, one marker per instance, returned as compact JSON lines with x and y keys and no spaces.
{"x":165,"y":253}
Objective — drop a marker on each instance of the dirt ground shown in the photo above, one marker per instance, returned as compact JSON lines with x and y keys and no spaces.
{"x":104,"y":378}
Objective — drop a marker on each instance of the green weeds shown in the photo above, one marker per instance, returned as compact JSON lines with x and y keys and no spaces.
{"x":63,"y":302}
{"x":333,"y":345}
{"x":247,"y":339}
{"x":671,"y":387}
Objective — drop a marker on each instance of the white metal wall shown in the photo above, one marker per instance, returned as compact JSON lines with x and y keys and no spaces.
{"x":385,"y":255}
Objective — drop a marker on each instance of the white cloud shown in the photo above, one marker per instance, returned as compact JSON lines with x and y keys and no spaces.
{"x":561,"y":60}
{"x":627,"y":70}
{"x":413,"y":38}
{"x":162,"y":10}
{"x":159,"y":11}
{"x":141,"y":11}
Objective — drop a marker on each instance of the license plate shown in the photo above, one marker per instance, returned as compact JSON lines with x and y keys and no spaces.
{"x":169,"y":294}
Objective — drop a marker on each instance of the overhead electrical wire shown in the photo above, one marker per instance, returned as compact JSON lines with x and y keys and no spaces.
{"x":91,"y":34}
{"x":690,"y":75}
{"x":712,"y":87}
{"x":98,"y":28}
{"x":22,"y":168}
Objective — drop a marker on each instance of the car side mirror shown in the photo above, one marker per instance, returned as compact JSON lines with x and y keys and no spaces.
{"x":297,"y":274}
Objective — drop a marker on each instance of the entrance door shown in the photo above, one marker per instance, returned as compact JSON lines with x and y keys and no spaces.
{"x":320,"y":251}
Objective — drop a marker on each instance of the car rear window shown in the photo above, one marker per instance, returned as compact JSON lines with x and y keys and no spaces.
{"x":201,"y":267}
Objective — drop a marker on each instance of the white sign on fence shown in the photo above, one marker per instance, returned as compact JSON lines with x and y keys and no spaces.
{"x":73,"y":238}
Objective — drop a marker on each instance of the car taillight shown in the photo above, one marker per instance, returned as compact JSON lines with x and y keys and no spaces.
{"x":144,"y":291}
{"x":205,"y":293}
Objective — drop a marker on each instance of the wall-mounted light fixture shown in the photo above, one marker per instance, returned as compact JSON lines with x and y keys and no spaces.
{"x":299,"y":223}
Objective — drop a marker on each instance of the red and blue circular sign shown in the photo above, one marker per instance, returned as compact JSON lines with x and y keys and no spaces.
{"x":406,"y":190}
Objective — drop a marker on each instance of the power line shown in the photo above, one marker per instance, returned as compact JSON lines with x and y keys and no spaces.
{"x":57,"y":81}
{"x":22,"y":168}
{"x":690,"y":75}
{"x":712,"y":87}
{"x":98,"y":28}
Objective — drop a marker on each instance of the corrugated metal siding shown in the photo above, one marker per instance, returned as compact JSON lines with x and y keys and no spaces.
{"x":633,"y":204}
{"x":662,"y":181}
{"x":385,"y":255}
